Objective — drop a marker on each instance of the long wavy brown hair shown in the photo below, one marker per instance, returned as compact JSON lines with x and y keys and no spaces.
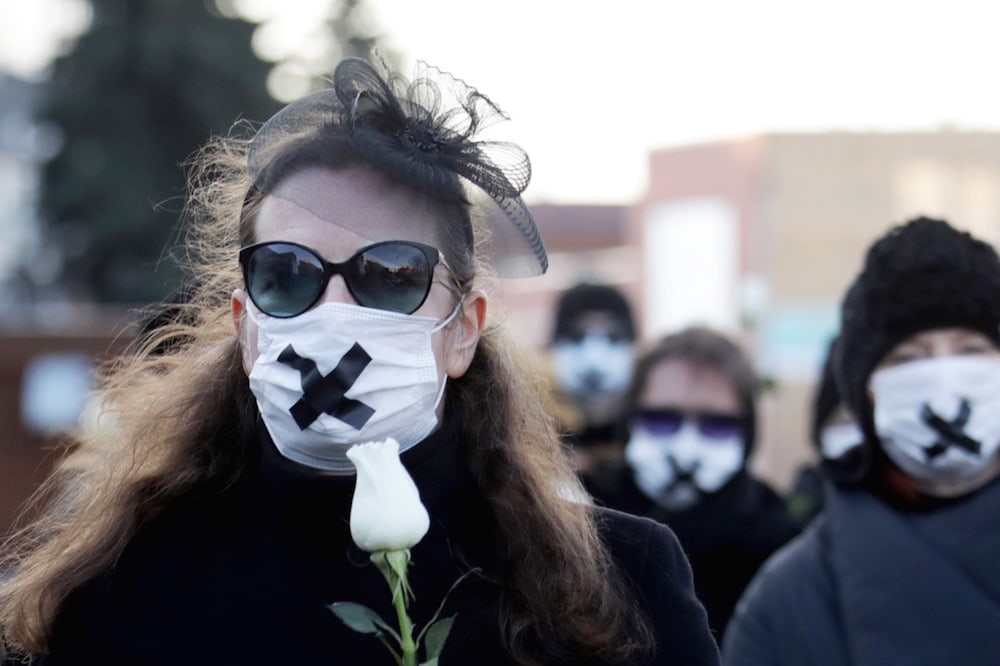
{"x":177,"y":418}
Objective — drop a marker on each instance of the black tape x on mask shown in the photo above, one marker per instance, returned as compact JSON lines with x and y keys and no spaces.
{"x":339,"y":375}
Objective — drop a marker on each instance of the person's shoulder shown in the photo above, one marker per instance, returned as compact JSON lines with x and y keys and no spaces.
{"x":793,"y":577}
{"x":627,"y":534}
{"x":792,"y":596}
{"x":654,"y":566}
{"x":179,"y":540}
{"x":801,"y":561}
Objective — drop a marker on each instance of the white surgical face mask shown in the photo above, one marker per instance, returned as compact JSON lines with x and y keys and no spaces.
{"x":340,"y":374}
{"x":677,"y":470}
{"x":836,"y":440}
{"x":595,"y":366}
{"x":939,"y":419}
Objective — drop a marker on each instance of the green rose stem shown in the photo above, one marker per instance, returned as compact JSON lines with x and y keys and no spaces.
{"x":394,"y":564}
{"x":405,"y":632}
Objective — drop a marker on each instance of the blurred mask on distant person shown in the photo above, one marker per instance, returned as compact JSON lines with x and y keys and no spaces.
{"x":593,"y":360}
{"x":677,"y":459}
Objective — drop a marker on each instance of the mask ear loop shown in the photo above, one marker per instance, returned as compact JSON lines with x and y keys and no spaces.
{"x":453,"y":288}
{"x":451,"y":317}
{"x":453,"y":285}
{"x":444,"y":323}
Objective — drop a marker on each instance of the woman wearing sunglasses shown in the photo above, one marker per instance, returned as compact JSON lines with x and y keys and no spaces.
{"x":692,"y":422}
{"x":346,"y":243}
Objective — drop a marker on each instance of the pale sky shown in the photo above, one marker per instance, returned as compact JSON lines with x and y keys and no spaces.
{"x":592,"y":87}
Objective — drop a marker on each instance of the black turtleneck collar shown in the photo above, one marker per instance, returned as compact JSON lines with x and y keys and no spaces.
{"x":437,"y":465}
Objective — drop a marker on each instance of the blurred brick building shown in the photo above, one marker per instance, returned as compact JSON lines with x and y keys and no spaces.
{"x":46,"y":374}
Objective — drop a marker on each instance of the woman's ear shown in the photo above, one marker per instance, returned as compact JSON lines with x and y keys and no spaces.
{"x":246,"y":332}
{"x":238,"y":306}
{"x":464,"y":336}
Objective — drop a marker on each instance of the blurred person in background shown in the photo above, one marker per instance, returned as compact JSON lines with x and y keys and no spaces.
{"x":691,"y":410}
{"x":592,"y":352}
{"x":834,"y":435}
{"x":337,"y":301}
{"x":901,"y":566}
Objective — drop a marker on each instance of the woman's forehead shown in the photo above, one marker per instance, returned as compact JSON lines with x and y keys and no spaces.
{"x":358,"y":200}
{"x":676,"y":382}
{"x":944,"y":335}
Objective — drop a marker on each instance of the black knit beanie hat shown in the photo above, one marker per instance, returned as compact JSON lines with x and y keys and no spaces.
{"x":587,"y":297}
{"x":919,"y":276}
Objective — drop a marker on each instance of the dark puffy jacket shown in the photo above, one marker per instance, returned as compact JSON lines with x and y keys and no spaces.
{"x":868,"y":585}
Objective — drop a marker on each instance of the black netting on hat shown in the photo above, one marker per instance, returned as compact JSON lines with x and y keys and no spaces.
{"x":920,"y":276}
{"x":421,"y":133}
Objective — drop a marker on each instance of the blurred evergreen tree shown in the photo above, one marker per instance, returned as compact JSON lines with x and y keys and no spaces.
{"x":348,"y":30}
{"x":140,"y":91}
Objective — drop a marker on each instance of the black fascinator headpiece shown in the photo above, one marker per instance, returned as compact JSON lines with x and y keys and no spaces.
{"x":422,"y":133}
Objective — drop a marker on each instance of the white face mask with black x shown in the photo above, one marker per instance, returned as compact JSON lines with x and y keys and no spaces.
{"x":594,"y":367}
{"x":340,"y":374}
{"x":939,"y":420}
{"x":677,"y":459}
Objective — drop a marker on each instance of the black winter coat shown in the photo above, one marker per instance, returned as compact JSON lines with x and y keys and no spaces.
{"x":727,"y":537}
{"x":867,"y":584}
{"x":246,"y":578}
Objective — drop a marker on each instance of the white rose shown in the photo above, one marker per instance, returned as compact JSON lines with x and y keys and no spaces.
{"x":386,"y":513}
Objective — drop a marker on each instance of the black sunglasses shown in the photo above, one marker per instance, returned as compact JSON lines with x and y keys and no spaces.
{"x":665,"y":422}
{"x":286,"y":279}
